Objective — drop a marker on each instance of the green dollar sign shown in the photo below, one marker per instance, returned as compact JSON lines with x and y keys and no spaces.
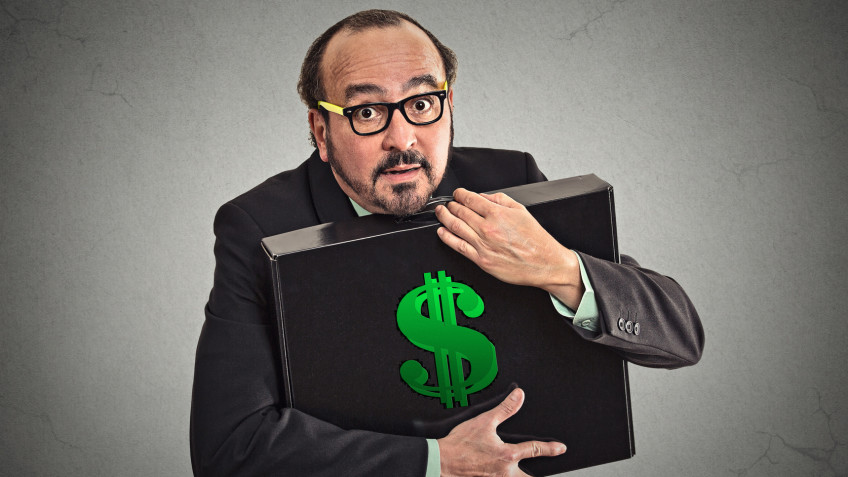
{"x":449,"y":342}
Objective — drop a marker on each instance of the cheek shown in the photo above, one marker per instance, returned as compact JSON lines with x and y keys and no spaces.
{"x":361,"y":156}
{"x":439,"y":144}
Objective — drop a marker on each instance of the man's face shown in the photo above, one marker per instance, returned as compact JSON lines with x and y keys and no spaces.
{"x":396,"y":170}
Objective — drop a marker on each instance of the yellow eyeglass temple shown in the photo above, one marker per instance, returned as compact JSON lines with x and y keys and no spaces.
{"x":331,"y":107}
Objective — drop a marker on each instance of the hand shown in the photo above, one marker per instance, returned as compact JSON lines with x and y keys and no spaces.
{"x":474,"y":449}
{"x":501,"y":237}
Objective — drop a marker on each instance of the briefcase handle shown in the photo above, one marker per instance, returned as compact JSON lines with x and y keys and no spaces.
{"x":428,"y":212}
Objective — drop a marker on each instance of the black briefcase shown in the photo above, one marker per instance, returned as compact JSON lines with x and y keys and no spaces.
{"x":383,"y":327}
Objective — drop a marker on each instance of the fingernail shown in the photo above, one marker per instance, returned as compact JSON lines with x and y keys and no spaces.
{"x":561,"y":449}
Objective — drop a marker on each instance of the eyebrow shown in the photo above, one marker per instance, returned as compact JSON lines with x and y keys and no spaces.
{"x":427,"y":79}
{"x":364,"y":88}
{"x":371,"y":88}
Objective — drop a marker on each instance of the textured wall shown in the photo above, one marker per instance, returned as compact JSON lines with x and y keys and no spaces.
{"x":722,"y":126}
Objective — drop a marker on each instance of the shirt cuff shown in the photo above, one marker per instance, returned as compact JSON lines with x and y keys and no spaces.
{"x":587,"y":314}
{"x":434,"y":462}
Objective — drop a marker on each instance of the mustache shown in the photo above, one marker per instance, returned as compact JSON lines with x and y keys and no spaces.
{"x":397,"y":158}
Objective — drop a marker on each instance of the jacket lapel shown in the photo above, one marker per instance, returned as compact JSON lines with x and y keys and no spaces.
{"x":331,"y":203}
{"x":449,"y":182}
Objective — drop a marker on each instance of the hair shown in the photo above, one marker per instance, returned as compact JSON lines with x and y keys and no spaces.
{"x":310,"y":85}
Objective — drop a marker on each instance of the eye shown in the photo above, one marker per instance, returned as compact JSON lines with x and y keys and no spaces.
{"x":422,"y":105}
{"x":367,"y":113}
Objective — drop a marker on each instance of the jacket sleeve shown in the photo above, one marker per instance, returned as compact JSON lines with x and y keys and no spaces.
{"x":644,"y":316}
{"x":669,"y":332}
{"x":239,"y":425}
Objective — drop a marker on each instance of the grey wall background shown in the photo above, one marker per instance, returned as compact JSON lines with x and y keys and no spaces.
{"x":721,"y":124}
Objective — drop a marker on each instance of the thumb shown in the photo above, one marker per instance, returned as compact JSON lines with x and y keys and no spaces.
{"x":507,"y":408}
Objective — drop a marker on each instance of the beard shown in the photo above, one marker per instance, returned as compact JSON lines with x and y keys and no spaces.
{"x":404,"y":198}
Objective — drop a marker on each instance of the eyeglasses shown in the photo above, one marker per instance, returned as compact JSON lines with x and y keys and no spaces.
{"x":372,"y":118}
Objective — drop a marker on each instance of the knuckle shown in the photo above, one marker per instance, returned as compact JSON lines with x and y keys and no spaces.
{"x":509,"y":455}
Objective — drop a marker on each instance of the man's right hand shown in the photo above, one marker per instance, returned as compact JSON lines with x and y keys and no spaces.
{"x":473,"y":448}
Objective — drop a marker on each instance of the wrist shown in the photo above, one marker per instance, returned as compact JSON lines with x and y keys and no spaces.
{"x":444,"y":458}
{"x":564,"y":280}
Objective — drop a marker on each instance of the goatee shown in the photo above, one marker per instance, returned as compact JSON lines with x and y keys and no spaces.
{"x":404,"y":198}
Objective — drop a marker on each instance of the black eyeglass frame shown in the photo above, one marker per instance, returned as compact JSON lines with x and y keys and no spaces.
{"x":391,"y":107}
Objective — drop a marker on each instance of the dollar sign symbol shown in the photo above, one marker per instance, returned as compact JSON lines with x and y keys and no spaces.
{"x":449,"y":342}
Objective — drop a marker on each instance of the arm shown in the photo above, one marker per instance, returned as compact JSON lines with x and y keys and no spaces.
{"x":238,"y":423}
{"x":669,"y":334}
{"x":500,"y":236}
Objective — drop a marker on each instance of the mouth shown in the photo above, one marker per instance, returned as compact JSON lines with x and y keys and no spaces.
{"x":402,"y":169}
{"x":405,"y":168}
{"x":402,"y":172}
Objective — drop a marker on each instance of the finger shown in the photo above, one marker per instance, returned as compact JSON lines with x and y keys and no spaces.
{"x":457,"y":244}
{"x":502,"y":199}
{"x":507,"y":408}
{"x":474,"y":201}
{"x":456,"y":225}
{"x":467,"y":215}
{"x":530,"y":449}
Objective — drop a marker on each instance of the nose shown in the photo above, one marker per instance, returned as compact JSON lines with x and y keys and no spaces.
{"x":400,"y":134}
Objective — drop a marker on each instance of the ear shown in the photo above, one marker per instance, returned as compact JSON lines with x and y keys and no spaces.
{"x":319,"y":129}
{"x":450,"y":98}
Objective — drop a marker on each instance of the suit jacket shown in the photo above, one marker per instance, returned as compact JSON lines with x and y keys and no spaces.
{"x":238,"y":424}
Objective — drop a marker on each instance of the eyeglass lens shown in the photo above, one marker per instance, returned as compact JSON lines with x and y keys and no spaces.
{"x":417,"y":110}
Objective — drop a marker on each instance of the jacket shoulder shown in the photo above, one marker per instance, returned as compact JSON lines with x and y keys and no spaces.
{"x":279,"y":204}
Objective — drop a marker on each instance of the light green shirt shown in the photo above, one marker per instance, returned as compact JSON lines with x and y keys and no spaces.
{"x":586,"y":316}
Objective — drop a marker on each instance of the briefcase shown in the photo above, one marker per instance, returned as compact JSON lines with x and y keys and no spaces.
{"x":383,"y":327}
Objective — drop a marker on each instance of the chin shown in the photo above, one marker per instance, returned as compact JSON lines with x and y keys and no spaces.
{"x":405,"y":199}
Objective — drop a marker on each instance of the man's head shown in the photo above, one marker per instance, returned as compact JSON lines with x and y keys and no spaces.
{"x":380,"y":56}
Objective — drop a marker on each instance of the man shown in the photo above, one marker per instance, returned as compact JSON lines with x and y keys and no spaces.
{"x":377,"y":85}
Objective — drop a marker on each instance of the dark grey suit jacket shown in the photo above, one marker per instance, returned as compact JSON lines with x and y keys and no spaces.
{"x":238,"y":424}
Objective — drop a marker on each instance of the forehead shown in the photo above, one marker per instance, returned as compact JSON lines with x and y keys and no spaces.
{"x":386,"y":57}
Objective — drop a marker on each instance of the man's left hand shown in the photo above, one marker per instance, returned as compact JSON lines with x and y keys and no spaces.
{"x":501,"y":237}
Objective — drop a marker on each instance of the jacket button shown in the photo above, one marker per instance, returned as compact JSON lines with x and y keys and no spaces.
{"x":636,"y":328}
{"x":629,"y":326}
{"x":621,"y":324}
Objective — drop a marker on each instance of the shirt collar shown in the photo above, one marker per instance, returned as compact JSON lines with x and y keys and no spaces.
{"x":360,"y":211}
